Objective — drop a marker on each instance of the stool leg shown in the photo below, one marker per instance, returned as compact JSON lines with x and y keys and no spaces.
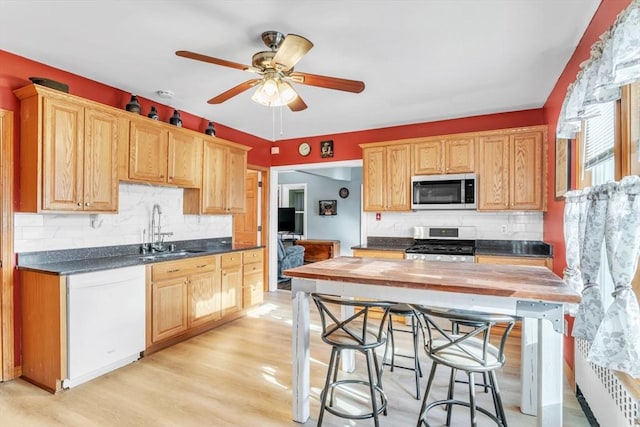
{"x":325,"y":390}
{"x":393,"y":343}
{"x":452,"y":384}
{"x":336,"y":367}
{"x":416,"y":360}
{"x":472,"y":399}
{"x":372,"y":385}
{"x":498,"y":399}
{"x":421,"y":416}
{"x":379,"y":374}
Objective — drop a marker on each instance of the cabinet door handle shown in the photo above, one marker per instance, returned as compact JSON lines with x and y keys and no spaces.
{"x":171,"y":178}
{"x":86,"y":204}
{"x":201,"y":266}
{"x":173,"y":271}
{"x":79,"y":203}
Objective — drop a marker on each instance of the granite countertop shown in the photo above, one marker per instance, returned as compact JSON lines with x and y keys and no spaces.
{"x":522,"y":248}
{"x":84,"y":260}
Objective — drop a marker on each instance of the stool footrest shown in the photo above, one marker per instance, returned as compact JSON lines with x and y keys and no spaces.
{"x":456,"y":402}
{"x":383,"y":400}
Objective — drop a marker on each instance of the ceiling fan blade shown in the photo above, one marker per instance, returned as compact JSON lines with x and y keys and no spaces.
{"x":236,"y":90}
{"x":292,"y":49}
{"x":297,"y":104}
{"x":336,"y":83}
{"x":211,"y":59}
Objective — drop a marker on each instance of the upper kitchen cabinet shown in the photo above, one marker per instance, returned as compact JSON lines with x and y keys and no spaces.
{"x":224,"y":166}
{"x":68,"y":152}
{"x":512,"y":170}
{"x":442,"y":156}
{"x":385,"y":177}
{"x":161,"y":155}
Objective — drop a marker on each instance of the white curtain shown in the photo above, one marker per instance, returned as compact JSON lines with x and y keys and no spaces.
{"x":614,"y":62}
{"x":591,"y":311}
{"x":616,"y":344}
{"x":575,"y":218}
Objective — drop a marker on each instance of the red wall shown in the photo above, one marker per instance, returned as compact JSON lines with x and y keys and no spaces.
{"x":553,"y":218}
{"x":16,"y":70}
{"x":345,"y":145}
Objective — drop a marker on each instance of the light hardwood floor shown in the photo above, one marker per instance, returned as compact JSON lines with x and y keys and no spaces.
{"x":236,"y":375}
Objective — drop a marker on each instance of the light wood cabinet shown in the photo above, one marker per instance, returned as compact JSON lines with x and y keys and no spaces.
{"x":373,"y":253}
{"x":161,"y":155}
{"x":512,"y":171}
{"x":68,"y":157}
{"x":224,"y":168}
{"x":442,"y":156}
{"x":184,"y":159}
{"x":148,"y":148}
{"x":231,"y":282}
{"x":184,"y":294}
{"x":44,"y":329}
{"x":515,"y":260}
{"x":169,"y":308}
{"x":386,"y":178}
{"x":252,"y":277}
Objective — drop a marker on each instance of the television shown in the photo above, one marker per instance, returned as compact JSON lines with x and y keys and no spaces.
{"x":287,"y":220}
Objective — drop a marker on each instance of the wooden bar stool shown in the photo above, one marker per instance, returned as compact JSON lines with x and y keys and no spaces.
{"x":469,"y":351}
{"x":360,"y":332}
{"x":390,"y":348}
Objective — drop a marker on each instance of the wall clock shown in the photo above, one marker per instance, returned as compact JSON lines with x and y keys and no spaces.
{"x":344,"y":192}
{"x":304,"y":148}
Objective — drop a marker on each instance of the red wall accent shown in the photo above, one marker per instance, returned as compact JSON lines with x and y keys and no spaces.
{"x":553,"y":219}
{"x":16,"y":71}
{"x":345,"y":145}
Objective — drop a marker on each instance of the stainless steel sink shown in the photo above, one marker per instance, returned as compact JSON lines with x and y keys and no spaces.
{"x":173,"y":254}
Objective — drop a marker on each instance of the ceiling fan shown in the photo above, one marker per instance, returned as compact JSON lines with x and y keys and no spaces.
{"x":275,"y":67}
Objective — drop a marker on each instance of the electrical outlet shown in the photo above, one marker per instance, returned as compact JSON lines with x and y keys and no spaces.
{"x":503,"y":228}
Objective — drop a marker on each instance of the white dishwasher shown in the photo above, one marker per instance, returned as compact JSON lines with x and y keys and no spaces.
{"x":105,"y":322}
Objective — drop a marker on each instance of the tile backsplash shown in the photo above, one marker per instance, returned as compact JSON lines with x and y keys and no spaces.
{"x":488,"y":225}
{"x":37,"y":232}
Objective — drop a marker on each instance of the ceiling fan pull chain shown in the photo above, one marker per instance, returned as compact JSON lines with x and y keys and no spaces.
{"x":281,"y":123}
{"x":273,"y":124}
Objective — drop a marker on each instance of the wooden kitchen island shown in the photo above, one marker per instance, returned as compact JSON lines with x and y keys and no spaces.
{"x":535,"y":294}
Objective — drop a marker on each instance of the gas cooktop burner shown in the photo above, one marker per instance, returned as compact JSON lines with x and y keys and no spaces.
{"x":445,"y":247}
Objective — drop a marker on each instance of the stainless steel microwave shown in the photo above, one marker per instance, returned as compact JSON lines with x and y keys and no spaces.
{"x":444,"y":191}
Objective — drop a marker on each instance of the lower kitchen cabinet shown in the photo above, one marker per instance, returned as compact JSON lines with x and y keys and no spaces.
{"x":183,"y":294}
{"x":253,"y":278}
{"x":231,"y":281}
{"x":514,"y":260}
{"x":169,"y":308}
{"x":374,"y":253}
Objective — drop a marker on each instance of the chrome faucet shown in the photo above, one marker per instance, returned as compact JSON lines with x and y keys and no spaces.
{"x":157,"y":236}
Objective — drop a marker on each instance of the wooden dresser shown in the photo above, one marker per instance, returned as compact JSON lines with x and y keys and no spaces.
{"x":319,"y":250}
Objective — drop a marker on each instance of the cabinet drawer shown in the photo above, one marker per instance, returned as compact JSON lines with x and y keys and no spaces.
{"x":252,"y":268}
{"x":170,"y":269}
{"x":253,"y":256}
{"x":232,"y":259}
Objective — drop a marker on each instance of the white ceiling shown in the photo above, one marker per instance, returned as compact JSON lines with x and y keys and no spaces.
{"x":421,"y":60}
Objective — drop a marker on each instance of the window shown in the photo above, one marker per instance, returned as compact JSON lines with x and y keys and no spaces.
{"x":608,"y":149}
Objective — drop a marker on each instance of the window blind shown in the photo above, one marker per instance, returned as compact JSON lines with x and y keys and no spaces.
{"x":599,"y":134}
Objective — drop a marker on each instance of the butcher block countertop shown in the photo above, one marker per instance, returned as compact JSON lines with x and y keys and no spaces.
{"x":524,"y":282}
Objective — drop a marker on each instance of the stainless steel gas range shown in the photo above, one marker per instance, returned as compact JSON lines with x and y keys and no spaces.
{"x":447,"y":244}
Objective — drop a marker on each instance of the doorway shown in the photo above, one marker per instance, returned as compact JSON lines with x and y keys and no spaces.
{"x":278,"y":174}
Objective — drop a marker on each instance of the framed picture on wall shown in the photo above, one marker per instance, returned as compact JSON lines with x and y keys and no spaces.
{"x":326,"y":149}
{"x":563,"y":167}
{"x":327,"y":207}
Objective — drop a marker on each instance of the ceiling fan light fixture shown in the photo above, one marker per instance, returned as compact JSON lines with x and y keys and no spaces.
{"x":274,"y":92}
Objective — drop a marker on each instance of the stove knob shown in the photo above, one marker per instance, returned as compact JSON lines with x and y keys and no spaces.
{"x":454,"y":258}
{"x":438,"y":258}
